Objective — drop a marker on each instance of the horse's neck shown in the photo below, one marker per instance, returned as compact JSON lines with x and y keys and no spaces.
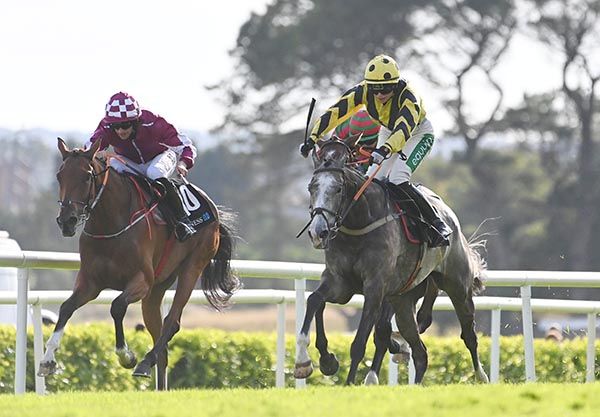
{"x":114,"y":206}
{"x":371,"y":206}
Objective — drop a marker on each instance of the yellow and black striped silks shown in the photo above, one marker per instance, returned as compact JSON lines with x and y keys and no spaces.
{"x":401,"y":114}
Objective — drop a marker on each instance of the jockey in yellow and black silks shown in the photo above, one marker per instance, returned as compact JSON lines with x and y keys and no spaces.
{"x":405,"y":129}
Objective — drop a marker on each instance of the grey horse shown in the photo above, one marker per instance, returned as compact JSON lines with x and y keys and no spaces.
{"x":367,"y":253}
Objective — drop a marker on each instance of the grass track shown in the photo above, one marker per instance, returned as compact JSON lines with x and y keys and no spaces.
{"x":554,"y":400}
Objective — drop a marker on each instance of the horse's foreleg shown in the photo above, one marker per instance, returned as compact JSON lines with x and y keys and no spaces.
{"x":407,"y":325}
{"x":315,"y":302}
{"x":383,"y":340}
{"x":135,"y":290}
{"x":328,"y":363}
{"x":153,"y":321}
{"x":370,"y":314}
{"x":82,"y":294}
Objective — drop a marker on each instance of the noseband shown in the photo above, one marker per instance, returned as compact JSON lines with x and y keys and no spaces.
{"x":87,"y":206}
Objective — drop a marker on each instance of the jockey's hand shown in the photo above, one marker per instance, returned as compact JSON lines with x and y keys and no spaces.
{"x":305,"y":148}
{"x":379,"y":155}
{"x":182,"y":168}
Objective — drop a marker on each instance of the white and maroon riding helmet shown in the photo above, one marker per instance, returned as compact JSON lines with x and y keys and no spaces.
{"x":122,"y":108}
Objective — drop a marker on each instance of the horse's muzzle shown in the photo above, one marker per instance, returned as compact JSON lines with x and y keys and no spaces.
{"x":68,"y":226}
{"x":320,"y":237}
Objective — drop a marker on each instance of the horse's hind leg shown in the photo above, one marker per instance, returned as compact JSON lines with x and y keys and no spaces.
{"x":424,"y":316}
{"x":407,"y":325}
{"x":328,"y":363}
{"x":135,"y":290}
{"x":83,"y":293}
{"x":465,"y":311}
{"x":171,"y":325}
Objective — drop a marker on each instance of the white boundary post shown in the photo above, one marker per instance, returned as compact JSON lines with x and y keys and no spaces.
{"x":528,"y":333}
{"x":300,"y":286}
{"x":21,"y":345}
{"x":591,"y":348}
{"x":38,"y":347}
{"x":495,"y":347}
{"x":280,"y":367}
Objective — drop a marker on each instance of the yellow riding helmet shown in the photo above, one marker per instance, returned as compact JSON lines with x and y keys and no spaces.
{"x":382,"y":70}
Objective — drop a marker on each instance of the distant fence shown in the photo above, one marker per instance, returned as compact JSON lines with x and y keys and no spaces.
{"x":300,"y":272}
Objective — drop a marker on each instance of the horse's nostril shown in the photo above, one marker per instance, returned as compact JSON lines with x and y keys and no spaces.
{"x":323,"y":234}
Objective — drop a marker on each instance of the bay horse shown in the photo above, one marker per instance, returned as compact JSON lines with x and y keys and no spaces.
{"x":366,"y":252}
{"x":140,"y":258}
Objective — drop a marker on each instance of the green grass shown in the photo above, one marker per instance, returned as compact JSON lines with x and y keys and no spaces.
{"x":554,"y":400}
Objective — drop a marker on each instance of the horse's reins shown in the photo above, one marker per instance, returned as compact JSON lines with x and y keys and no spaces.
{"x":105,"y":181}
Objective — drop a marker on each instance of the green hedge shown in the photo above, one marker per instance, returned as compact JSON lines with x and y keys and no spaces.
{"x":217,"y":359}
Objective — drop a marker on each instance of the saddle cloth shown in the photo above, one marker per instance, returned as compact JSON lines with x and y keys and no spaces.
{"x":194,"y":201}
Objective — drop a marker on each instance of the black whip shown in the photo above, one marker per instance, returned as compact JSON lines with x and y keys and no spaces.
{"x":310,"y":111}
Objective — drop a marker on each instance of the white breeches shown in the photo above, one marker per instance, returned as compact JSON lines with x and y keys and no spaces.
{"x":397,"y":170}
{"x":163,"y":165}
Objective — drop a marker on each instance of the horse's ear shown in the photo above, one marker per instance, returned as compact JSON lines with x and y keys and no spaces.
{"x":63,"y":148}
{"x":91,"y":153}
{"x":352,"y":140}
{"x":315,"y":156}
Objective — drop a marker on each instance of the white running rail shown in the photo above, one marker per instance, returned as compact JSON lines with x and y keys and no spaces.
{"x":300,"y":272}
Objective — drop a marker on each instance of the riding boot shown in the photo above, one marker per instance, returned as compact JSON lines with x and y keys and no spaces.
{"x":183,"y":229}
{"x":438,"y":230}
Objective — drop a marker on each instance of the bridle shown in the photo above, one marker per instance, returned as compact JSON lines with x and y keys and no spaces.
{"x":89,"y":205}
{"x":339,"y":215}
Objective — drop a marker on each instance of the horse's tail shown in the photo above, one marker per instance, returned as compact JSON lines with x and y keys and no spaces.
{"x":218,"y":281}
{"x":477,"y":247}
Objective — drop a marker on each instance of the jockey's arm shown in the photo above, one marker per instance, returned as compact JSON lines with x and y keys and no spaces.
{"x":403,"y":126}
{"x":350,"y":102}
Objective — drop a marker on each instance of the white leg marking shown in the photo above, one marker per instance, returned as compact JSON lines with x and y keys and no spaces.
{"x":52,"y":345}
{"x":371,"y":378}
{"x":302,"y":342}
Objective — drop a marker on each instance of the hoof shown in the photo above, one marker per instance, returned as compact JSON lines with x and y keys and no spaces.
{"x":482,"y":376}
{"x":401,"y":357}
{"x":303,"y":370}
{"x":329,"y":364}
{"x":127,"y":359}
{"x":142,"y":370}
{"x":371,"y":379}
{"x":47,"y":368}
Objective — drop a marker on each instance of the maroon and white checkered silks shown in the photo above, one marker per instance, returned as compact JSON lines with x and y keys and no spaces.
{"x":121,"y":108}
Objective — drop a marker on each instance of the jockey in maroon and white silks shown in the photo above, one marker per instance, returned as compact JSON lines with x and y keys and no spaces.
{"x":148,"y":145}
{"x":152,"y":136}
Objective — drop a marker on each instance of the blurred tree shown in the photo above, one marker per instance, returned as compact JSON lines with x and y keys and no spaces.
{"x":299,"y":47}
{"x":458,"y":49}
{"x":563,"y":123}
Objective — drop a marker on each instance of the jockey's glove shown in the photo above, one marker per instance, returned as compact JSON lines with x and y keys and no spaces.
{"x":305,"y":148}
{"x":379,"y":155}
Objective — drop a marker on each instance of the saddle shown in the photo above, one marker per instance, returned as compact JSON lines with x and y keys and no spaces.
{"x":412,"y":223}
